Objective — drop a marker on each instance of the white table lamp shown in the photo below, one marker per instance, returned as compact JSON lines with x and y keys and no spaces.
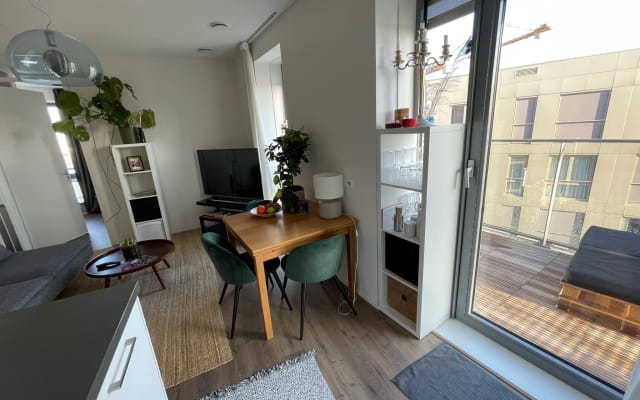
{"x":329,"y":191}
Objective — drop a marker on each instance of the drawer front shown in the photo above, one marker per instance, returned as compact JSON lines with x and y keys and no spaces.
{"x":133,"y":372}
{"x":402,"y":298}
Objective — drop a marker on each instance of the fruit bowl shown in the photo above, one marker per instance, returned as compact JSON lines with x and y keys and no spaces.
{"x":254,"y":211}
{"x":272,"y":205}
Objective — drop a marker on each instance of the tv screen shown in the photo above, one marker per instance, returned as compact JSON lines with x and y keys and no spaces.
{"x":230,"y":172}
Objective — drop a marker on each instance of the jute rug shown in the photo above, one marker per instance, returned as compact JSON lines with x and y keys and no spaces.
{"x":185,"y":322}
{"x":294,"y":379}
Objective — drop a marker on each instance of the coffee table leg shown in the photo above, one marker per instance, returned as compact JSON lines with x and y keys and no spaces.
{"x":165,"y":261}
{"x":155,"y":271}
{"x":107,"y":282}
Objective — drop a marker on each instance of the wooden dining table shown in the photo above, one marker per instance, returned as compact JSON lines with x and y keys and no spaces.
{"x":265,"y":238}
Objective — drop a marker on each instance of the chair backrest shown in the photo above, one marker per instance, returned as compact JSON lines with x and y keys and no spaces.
{"x":226,"y":260}
{"x":317,"y":261}
{"x":255,"y":203}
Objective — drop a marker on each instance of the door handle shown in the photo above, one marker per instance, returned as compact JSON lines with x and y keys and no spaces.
{"x":469,"y":173}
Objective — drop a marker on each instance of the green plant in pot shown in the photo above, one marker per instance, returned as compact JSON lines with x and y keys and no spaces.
{"x":130,"y":250}
{"x":289,"y":151}
{"x":105,"y":105}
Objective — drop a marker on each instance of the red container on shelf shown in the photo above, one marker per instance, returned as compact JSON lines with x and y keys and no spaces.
{"x":408,"y":122}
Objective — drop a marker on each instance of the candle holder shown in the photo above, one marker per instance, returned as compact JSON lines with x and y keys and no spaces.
{"x":421,"y":58}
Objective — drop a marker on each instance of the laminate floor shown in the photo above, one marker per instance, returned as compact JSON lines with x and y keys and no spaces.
{"x":358,"y":356}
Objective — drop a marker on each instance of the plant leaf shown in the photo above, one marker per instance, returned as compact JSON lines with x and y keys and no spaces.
{"x":65,"y":126}
{"x":69,"y":102}
{"x":80,"y":133}
{"x":147,"y":119}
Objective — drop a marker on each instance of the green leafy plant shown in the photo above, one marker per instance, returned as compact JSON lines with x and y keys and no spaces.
{"x":105,"y":105}
{"x":289,"y":151}
{"x":128,"y":242}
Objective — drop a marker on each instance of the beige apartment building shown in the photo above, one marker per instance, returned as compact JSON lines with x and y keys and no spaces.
{"x":583,"y":111}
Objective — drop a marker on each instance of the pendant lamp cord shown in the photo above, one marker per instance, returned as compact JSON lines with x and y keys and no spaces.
{"x":42,"y":11}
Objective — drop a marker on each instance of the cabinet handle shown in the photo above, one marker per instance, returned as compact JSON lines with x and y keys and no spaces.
{"x":123,"y":365}
{"x":404,"y":297}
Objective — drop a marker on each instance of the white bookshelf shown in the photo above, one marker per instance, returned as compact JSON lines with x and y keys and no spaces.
{"x":416,"y":273}
{"x":141,"y":189}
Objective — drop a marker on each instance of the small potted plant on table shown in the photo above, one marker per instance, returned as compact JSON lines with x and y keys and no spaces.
{"x":130,"y":250}
{"x":289,"y":151}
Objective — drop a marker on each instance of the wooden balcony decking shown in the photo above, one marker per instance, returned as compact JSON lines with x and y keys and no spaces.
{"x":517,"y":284}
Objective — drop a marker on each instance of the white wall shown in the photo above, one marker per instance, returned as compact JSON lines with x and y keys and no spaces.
{"x":198,"y":104}
{"x":328,"y":68}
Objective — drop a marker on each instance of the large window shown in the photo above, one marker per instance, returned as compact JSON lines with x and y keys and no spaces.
{"x":525,"y":115}
{"x":517,"y":175}
{"x":564,"y":226}
{"x":575,"y":177}
{"x":582,"y":115}
{"x":632,"y":225}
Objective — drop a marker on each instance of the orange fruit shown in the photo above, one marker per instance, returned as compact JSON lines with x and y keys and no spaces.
{"x":260,"y":209}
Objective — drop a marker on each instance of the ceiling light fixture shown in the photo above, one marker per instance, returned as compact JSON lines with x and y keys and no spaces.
{"x":50,"y":58}
{"x":206,"y":50}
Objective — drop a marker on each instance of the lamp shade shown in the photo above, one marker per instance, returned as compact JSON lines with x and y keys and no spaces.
{"x":328,"y":185}
{"x":51,"y":58}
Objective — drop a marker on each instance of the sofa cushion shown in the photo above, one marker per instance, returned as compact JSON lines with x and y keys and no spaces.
{"x":612,"y":240}
{"x":45,"y":261}
{"x":4,"y":253}
{"x":22,"y":294}
{"x":614,"y":274}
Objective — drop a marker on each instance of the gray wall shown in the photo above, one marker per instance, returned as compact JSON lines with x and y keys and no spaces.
{"x":328,"y":53}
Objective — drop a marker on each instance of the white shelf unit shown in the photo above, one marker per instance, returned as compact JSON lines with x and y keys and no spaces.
{"x":142,"y":193}
{"x":420,"y":165}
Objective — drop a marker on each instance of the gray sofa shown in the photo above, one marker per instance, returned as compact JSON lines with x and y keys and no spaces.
{"x":33,"y":277}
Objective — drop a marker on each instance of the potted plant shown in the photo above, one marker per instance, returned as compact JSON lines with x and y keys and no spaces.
{"x":105,"y":105}
{"x":288,"y":150}
{"x":130,"y":250}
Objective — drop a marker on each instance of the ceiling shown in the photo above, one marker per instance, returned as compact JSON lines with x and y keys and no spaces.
{"x":167,"y":28}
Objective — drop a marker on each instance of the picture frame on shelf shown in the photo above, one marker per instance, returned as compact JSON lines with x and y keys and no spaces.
{"x":135,"y":163}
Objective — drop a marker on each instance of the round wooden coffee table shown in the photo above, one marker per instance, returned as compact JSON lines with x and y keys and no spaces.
{"x":111,"y":263}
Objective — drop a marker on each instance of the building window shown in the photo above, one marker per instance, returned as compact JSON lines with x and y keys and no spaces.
{"x":582,"y":115}
{"x":565,"y":226}
{"x":634,"y":190}
{"x":517,"y":175}
{"x":632,"y":225}
{"x":458,"y":113}
{"x":525,"y":114}
{"x":511,"y":217}
{"x":574,"y":180}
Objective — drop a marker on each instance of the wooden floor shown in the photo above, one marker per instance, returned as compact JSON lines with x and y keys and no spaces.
{"x":517,"y":284}
{"x":358,"y":356}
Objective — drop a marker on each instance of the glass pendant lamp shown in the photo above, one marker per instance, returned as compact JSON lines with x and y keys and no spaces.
{"x":50,"y":58}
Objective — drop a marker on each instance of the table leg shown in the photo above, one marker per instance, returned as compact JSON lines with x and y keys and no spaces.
{"x":155,"y":271}
{"x":351,"y":261}
{"x":264,"y":297}
{"x":166,"y":262}
{"x":107,"y":282}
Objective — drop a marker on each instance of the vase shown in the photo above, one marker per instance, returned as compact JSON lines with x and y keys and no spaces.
{"x":130,"y":252}
{"x":290,"y":197}
{"x":128,"y":135}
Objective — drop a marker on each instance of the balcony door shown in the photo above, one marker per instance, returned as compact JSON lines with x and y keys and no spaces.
{"x":555,"y":138}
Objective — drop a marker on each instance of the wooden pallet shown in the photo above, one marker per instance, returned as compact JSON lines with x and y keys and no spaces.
{"x":621,"y":314}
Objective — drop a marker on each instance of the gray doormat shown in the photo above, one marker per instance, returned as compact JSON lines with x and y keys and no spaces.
{"x":446,"y":374}
{"x":297,"y":378}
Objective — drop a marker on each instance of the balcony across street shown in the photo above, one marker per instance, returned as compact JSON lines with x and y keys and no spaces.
{"x":517,"y":285}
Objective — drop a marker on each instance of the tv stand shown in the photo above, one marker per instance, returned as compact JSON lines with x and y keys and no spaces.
{"x":226,"y":203}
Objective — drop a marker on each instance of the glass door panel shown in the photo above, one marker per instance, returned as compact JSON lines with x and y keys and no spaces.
{"x":561,"y":160}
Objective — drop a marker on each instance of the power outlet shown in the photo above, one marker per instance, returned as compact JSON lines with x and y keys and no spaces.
{"x":348,"y":184}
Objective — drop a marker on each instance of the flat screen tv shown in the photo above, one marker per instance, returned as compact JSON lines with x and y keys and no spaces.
{"x":230,"y":172}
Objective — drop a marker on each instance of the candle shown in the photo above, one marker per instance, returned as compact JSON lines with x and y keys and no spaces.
{"x":446,"y":40}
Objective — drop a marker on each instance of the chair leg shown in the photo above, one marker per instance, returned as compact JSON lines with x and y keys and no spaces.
{"x":344,"y":295}
{"x":236,"y":299}
{"x":270,"y":281}
{"x":224,"y":290}
{"x":284,"y":286}
{"x":302,"y":298}
{"x":284,"y":294}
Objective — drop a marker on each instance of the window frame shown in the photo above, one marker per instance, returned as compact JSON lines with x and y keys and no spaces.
{"x":565,"y":184}
{"x":585,"y":120}
{"x":526,"y":124}
{"x":510,"y":179}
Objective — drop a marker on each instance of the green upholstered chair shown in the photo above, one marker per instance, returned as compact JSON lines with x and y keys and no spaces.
{"x":313,"y":263}
{"x":236,"y":269}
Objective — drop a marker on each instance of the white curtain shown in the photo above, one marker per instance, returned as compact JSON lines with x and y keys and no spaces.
{"x":268,"y":188}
